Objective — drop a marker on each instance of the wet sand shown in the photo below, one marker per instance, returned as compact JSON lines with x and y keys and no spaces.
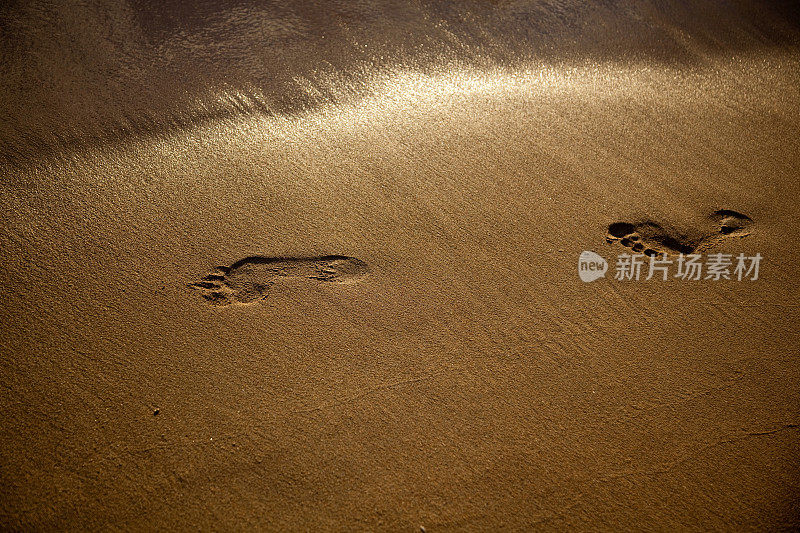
{"x":315,"y":268}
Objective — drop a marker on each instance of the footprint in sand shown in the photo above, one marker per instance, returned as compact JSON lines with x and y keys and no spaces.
{"x":248,"y":280}
{"x":652,"y":239}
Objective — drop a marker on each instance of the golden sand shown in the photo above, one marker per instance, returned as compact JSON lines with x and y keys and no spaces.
{"x":314,"y":266}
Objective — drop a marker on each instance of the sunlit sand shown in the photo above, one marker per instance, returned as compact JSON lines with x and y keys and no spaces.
{"x":314,"y":268}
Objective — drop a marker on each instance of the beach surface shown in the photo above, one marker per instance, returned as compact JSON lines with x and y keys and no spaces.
{"x":314,"y":266}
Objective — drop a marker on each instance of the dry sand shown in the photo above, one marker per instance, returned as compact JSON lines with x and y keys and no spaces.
{"x":397,"y":195}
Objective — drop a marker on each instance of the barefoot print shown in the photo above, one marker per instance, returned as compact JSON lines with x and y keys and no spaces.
{"x":248,"y":280}
{"x":652,"y":239}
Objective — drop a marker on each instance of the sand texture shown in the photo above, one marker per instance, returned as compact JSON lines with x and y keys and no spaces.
{"x":312,"y":266}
